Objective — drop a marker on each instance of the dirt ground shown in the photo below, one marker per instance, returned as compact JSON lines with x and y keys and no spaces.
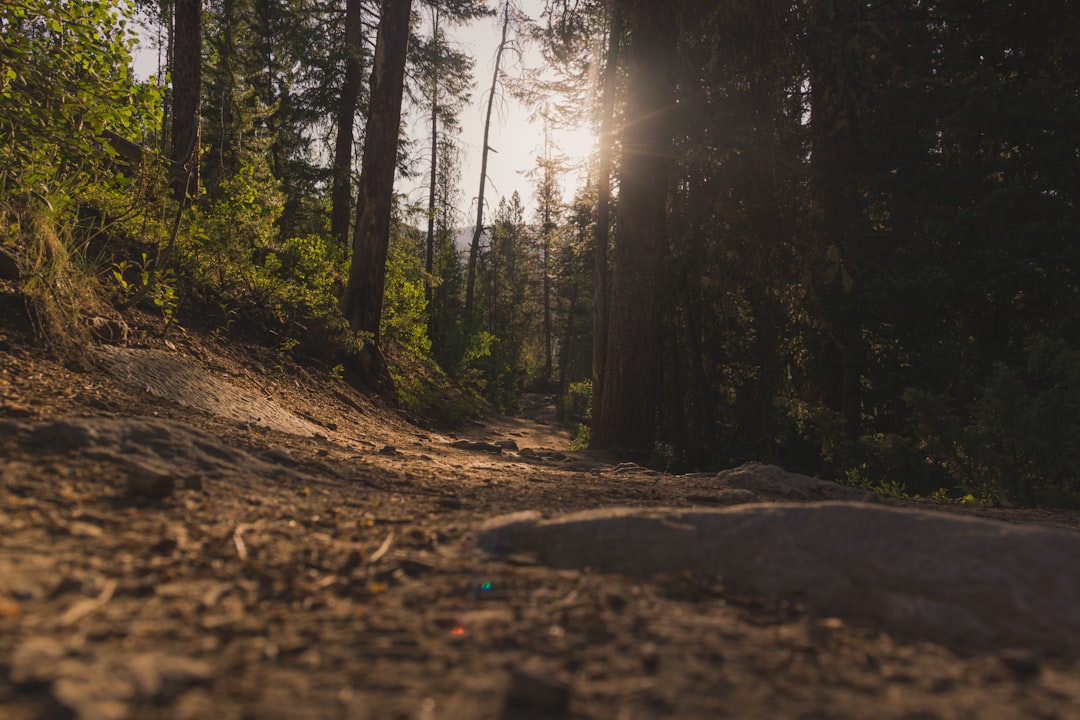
{"x":197,"y":530}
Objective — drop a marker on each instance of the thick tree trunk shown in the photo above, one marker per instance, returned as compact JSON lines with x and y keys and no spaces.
{"x":341,"y":191}
{"x":834,"y":167}
{"x":603,"y":211}
{"x":362,"y":302}
{"x":478,"y":230}
{"x":627,"y":417}
{"x":187,"y":94}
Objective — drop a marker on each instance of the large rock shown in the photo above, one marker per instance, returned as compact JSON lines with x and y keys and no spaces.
{"x":775,"y":483}
{"x":965,"y":582}
{"x":152,"y":449}
{"x":184,"y":382}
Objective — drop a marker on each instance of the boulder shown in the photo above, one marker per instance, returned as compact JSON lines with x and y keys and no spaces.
{"x":965,"y":582}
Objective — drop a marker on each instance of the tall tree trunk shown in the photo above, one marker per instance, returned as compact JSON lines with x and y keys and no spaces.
{"x":429,"y":259}
{"x":187,"y":94}
{"x":568,"y":336}
{"x":167,"y":10}
{"x":627,"y":416}
{"x":341,"y":191}
{"x":834,"y":128}
{"x":362,"y":302}
{"x":603,"y":210}
{"x":546,"y":262}
{"x":478,"y":230}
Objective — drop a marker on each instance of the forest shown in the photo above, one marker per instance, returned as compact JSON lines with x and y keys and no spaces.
{"x":841,"y":236}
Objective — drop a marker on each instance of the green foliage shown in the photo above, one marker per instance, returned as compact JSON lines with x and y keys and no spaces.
{"x":64,"y":196}
{"x":404,"y":317}
{"x":575,"y":403}
{"x":1018,"y":441}
{"x":65,"y":78}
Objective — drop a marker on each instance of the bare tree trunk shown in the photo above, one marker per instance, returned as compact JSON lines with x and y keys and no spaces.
{"x":429,"y":260}
{"x":341,"y":191}
{"x":362,"y":302}
{"x":603,"y":211}
{"x":187,"y":93}
{"x":167,"y":10}
{"x":548,"y":225}
{"x":564,"y":351}
{"x":474,"y":248}
{"x":627,"y":417}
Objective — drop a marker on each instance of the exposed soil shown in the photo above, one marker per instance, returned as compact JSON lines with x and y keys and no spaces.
{"x":194,"y":529}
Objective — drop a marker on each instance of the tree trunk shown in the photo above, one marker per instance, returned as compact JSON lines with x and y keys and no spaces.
{"x":362,"y":302}
{"x":568,"y":336}
{"x":834,"y":128}
{"x":546,"y":263}
{"x":187,"y":94}
{"x":429,"y":260}
{"x":478,"y":230}
{"x":603,"y":211}
{"x":627,"y":417}
{"x":341,"y":191}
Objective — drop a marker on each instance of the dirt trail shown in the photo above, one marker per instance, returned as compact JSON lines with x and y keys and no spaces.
{"x":238,"y":537}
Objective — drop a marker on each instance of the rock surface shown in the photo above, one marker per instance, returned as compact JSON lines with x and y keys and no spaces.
{"x":962,"y":581}
{"x":183,"y":382}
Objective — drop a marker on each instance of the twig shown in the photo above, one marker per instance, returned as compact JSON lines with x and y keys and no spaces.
{"x":383,"y":549}
{"x":238,"y":541}
{"x":89,"y":606}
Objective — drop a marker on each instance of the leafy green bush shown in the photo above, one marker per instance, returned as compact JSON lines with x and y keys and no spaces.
{"x":65,"y":78}
{"x":575,"y":404}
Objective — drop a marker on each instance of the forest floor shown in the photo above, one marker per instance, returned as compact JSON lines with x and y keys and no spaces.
{"x":197,"y":529}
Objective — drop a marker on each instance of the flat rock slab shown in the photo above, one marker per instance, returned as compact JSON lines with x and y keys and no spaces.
{"x":182,"y":382}
{"x":152,"y":447}
{"x":968,"y":583}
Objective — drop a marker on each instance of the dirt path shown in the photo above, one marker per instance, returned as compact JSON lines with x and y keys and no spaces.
{"x":272,"y":545}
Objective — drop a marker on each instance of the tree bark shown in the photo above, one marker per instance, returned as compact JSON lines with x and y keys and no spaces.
{"x":429,"y":259}
{"x":362,"y":303}
{"x":834,"y":131}
{"x":187,"y":94}
{"x":352,"y":84}
{"x":627,"y":417}
{"x":603,"y":210}
{"x":478,"y":230}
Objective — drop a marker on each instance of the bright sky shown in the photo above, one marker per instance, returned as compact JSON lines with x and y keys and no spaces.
{"x":517,"y":139}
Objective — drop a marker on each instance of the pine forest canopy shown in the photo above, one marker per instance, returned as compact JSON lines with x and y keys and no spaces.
{"x":841,"y":236}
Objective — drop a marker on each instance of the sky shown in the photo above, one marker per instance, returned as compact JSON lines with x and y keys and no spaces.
{"x":517,"y":139}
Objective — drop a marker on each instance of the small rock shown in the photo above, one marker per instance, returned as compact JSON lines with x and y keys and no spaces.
{"x":388,"y":450}
{"x":507,"y":445}
{"x":539,"y":693}
{"x":149,"y":483}
{"x":476,"y":446}
{"x":527,"y":452}
{"x":450,"y":502}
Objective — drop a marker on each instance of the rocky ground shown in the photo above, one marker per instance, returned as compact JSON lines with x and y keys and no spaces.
{"x":192,"y":529}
